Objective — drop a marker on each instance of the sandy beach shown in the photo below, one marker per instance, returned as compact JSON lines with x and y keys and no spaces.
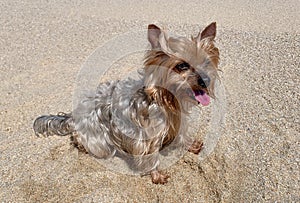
{"x":43,"y":45}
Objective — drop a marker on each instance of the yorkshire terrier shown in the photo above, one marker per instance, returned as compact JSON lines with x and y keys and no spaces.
{"x":140,"y":118}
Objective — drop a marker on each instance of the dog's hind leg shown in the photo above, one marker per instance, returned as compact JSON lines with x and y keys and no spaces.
{"x":75,"y":143}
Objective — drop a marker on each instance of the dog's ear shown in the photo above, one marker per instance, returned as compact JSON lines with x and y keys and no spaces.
{"x":209,"y":31}
{"x":153,"y":35}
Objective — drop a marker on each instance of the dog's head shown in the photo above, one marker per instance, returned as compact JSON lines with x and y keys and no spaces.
{"x":186,"y":67}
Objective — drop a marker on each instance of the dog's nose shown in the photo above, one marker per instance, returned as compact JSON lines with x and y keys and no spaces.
{"x":204,"y":81}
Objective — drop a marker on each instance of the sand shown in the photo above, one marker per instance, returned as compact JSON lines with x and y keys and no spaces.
{"x":43,"y":45}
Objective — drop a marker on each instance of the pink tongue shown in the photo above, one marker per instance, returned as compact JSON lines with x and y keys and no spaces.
{"x":203,"y":99}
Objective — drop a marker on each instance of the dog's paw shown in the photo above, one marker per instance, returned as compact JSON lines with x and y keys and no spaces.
{"x":159,"y":178}
{"x":196,"y":147}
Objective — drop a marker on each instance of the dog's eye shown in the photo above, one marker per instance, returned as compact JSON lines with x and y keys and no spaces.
{"x":182,"y":66}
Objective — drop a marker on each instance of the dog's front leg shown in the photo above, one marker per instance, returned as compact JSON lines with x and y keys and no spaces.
{"x":196,"y":147}
{"x":150,"y":163}
{"x":158,"y":177}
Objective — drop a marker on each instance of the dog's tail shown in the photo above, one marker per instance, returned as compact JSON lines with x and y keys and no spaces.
{"x":61,"y":124}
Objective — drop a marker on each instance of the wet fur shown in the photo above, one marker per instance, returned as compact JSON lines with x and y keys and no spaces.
{"x":136,"y":119}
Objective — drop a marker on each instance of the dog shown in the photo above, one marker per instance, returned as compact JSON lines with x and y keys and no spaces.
{"x":140,"y":118}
